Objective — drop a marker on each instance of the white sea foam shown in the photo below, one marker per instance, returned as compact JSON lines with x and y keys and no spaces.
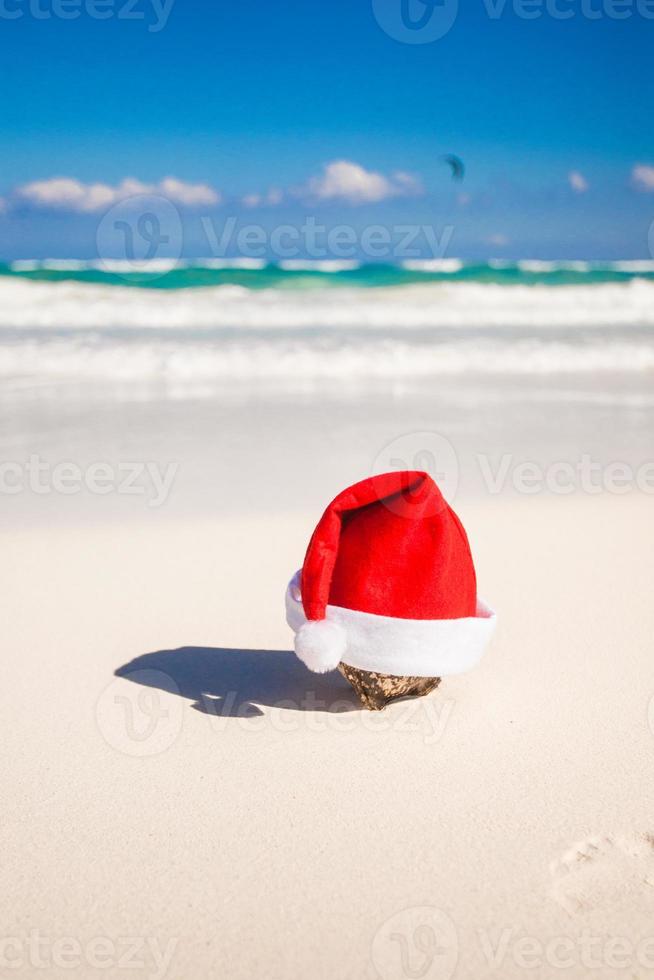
{"x":56,"y":265}
{"x":235,"y":263}
{"x":319,"y":265}
{"x":433,"y":265}
{"x":538,"y":265}
{"x":300,"y":359}
{"x":635,"y":265}
{"x":72,"y":305}
{"x":25,"y":265}
{"x":121,"y":266}
{"x":75,"y":331}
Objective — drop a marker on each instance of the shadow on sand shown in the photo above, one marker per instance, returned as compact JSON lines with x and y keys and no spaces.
{"x":232,"y":683}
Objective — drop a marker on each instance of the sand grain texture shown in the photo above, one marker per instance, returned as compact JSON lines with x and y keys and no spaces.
{"x":218,"y":796}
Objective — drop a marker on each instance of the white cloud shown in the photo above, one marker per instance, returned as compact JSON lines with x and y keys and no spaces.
{"x":498,"y":240}
{"x":407,"y":183}
{"x":642,"y":177}
{"x":193,"y":195}
{"x":273,"y":197}
{"x":347,"y":181}
{"x":66,"y":193}
{"x":69,"y":194}
{"x":578,"y":182}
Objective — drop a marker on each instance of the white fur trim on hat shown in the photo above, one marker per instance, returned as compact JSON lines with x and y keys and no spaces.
{"x":388,"y":645}
{"x":320,"y":645}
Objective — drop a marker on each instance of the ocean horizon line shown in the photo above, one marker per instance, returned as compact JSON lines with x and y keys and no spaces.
{"x":295,"y":273}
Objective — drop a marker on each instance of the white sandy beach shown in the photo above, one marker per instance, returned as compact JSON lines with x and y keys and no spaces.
{"x":183,"y":800}
{"x":217,"y":811}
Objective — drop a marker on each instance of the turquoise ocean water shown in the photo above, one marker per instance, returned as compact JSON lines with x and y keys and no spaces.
{"x":299,"y":274}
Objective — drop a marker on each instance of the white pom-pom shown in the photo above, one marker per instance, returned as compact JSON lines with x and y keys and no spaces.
{"x":320,"y":645}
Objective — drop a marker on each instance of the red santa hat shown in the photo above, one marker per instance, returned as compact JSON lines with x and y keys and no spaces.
{"x":388,"y":584}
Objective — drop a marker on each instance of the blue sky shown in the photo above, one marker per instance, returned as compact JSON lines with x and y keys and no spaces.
{"x":246,"y":97}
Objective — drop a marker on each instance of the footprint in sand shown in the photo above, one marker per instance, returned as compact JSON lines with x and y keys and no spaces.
{"x":602,"y":872}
